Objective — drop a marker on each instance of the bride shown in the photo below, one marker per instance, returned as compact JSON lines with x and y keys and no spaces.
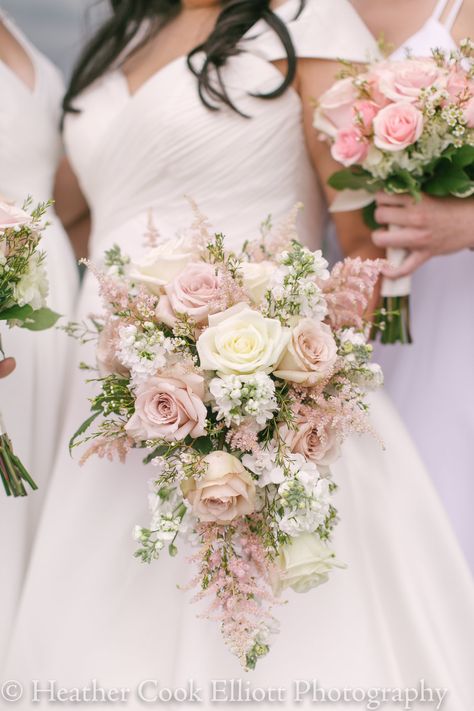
{"x":146,"y":123}
{"x":426,"y":230}
{"x":31,"y":397}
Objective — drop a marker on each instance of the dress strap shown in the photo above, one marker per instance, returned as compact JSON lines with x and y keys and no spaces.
{"x":439,"y":9}
{"x":451,"y":18}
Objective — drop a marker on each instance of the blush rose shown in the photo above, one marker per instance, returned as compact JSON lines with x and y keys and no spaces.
{"x":310,"y":355}
{"x":169,"y":408}
{"x":225,"y":492}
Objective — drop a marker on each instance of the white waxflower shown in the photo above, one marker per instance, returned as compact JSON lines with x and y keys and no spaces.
{"x":33,"y":287}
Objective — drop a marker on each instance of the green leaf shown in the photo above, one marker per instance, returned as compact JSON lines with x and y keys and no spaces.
{"x":203,"y":445}
{"x":16,"y":313}
{"x":403,"y":182}
{"x":83,"y":428}
{"x":368,"y":214}
{"x":353,"y":179}
{"x":464,"y":157}
{"x":38,"y":320}
{"x":449,"y":179}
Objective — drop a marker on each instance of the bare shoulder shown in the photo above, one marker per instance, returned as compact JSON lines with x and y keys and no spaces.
{"x":464,"y":26}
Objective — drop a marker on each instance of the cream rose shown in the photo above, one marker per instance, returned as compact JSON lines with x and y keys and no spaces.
{"x":303,"y":564}
{"x":240,"y":341}
{"x":225,"y":492}
{"x":169,"y":408}
{"x":310,"y":355}
{"x":256,"y":277}
{"x":12,"y":216}
{"x":397,"y":126}
{"x":194,"y":290}
{"x":106,"y":351}
{"x":162,"y":264}
{"x":322,"y":448}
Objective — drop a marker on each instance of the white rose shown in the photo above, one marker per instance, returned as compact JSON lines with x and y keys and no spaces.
{"x":162,"y":264}
{"x":33,"y":287}
{"x":257,"y":276}
{"x":303,"y":564}
{"x":240,"y":341}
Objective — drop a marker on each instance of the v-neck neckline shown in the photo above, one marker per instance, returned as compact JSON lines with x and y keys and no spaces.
{"x":281,"y":9}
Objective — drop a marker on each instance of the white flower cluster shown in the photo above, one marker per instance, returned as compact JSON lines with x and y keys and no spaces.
{"x":168,"y":519}
{"x":264,"y":465}
{"x":294,"y":289}
{"x":304,"y":494}
{"x":356,"y":352}
{"x":305,"y":497}
{"x":245,"y":396}
{"x":32,"y":289}
{"x":143,"y":352}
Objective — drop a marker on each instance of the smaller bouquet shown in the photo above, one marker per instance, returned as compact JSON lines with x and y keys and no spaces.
{"x":403,"y":127}
{"x":23,"y":292}
{"x":241,"y":373}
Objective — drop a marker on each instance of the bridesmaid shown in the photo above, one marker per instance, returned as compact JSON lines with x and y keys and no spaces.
{"x":32,"y":397}
{"x":432,"y":381}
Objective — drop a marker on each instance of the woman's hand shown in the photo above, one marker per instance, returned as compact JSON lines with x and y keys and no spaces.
{"x":428,"y":228}
{"x":7,"y":366}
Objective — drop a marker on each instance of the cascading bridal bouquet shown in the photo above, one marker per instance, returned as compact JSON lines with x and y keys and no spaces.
{"x":403,"y":127}
{"x":23,"y":292}
{"x":241,"y":374}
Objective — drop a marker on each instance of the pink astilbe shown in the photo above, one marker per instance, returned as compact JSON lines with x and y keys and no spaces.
{"x":112,"y":290}
{"x":110,"y":449}
{"x":341,"y":410}
{"x":117,"y":296}
{"x":272,"y":243}
{"x":243,"y":438}
{"x":234,"y":574}
{"x":151,"y":237}
{"x":200,"y":231}
{"x":349,"y":289}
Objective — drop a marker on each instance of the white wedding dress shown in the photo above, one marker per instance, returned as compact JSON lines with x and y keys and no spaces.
{"x":437,"y":407}
{"x":403,"y":608}
{"x":31,"y":399}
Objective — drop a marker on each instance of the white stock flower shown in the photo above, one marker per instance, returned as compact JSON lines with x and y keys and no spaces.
{"x":263,"y":464}
{"x":33,"y":287}
{"x":239,"y":397}
{"x":142,"y":352}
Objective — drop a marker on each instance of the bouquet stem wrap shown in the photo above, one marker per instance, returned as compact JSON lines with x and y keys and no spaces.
{"x":13,"y":473}
{"x":392,"y":322}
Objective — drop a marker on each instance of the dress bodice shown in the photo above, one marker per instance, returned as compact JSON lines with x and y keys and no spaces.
{"x":30,"y":143}
{"x":433,"y":34}
{"x":149,"y":150}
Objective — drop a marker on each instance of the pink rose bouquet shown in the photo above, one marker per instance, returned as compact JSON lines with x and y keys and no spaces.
{"x":403,"y":127}
{"x":241,"y":374}
{"x":23,"y":291}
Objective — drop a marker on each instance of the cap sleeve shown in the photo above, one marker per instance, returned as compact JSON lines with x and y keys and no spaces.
{"x":324,"y":29}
